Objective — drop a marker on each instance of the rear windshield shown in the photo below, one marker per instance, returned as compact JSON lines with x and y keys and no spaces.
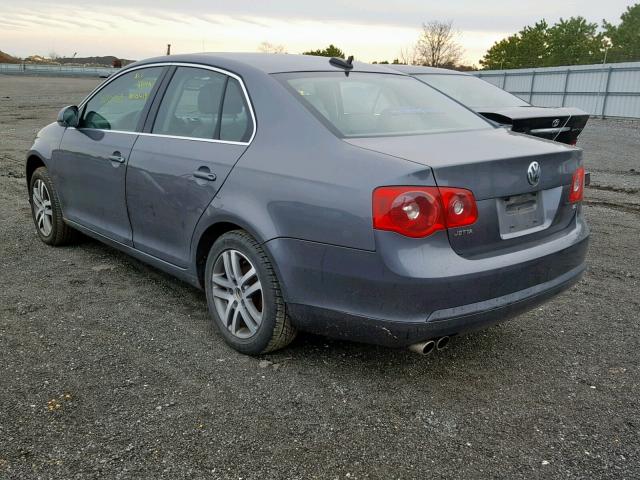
{"x":472,"y":91}
{"x":375,"y":104}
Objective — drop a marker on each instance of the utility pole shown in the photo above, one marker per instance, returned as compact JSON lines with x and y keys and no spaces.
{"x":168,"y":49}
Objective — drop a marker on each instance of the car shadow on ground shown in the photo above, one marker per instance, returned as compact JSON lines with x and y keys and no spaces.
{"x":468,"y":350}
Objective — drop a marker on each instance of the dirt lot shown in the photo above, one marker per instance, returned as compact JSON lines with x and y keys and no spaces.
{"x":110,"y":369}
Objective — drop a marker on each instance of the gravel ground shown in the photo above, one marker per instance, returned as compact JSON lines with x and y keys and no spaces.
{"x":110,"y":369}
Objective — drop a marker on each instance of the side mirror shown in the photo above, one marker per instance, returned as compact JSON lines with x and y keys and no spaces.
{"x":69,"y":116}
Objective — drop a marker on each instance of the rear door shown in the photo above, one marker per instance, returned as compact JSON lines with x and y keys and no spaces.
{"x":195,"y":134}
{"x":91,"y":163}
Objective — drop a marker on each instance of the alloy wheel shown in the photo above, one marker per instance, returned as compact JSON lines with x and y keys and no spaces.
{"x":237,"y":293}
{"x":42,"y":210}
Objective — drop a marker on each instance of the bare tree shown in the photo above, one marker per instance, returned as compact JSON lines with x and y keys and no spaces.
{"x":268,"y":47}
{"x":437,"y":45}
{"x":408,"y":56}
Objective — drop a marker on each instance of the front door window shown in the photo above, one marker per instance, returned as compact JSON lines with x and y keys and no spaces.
{"x":119,"y":105}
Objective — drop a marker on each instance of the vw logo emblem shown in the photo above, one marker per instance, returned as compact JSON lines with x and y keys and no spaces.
{"x":533,"y":173}
{"x":555,"y":123}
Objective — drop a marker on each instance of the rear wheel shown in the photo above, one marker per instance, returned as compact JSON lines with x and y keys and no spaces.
{"x":244,"y":297}
{"x":46,"y":211}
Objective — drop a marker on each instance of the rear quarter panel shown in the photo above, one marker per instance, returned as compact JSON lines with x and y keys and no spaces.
{"x":299,"y":180}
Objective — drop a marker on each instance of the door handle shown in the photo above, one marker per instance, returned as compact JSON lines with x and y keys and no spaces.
{"x":205,"y":175}
{"x":117,"y":157}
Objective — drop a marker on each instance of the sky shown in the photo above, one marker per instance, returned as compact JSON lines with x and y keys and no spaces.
{"x":369,"y":30}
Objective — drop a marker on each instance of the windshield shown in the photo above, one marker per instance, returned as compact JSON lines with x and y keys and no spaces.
{"x":472,"y":91}
{"x":374,"y":104}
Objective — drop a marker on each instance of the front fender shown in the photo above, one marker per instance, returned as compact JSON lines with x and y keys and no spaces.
{"x":45,"y":145}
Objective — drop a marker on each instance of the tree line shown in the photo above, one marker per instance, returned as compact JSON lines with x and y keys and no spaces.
{"x":573,"y":41}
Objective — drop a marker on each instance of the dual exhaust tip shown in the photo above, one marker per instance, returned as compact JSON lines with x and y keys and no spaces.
{"x":428,"y":346}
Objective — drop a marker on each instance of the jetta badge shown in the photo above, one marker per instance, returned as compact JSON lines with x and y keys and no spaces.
{"x":533,"y":173}
{"x":555,"y":123}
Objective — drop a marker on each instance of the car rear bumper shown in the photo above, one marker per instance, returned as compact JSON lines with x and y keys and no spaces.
{"x":410,"y":291}
{"x":440,"y":323}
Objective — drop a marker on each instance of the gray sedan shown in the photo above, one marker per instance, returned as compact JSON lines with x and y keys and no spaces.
{"x":313,"y":194}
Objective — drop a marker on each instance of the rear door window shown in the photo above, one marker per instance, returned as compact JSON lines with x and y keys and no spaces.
{"x":192,"y":103}
{"x":204,"y":104}
{"x":119,"y":104}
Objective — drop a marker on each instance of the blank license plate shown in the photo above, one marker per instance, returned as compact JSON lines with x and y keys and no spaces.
{"x":519,"y":213}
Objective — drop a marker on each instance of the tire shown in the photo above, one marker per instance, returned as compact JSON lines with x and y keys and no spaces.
{"x":233,"y":299}
{"x":46,"y":210}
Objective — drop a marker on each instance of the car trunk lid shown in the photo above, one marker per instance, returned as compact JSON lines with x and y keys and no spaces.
{"x":494,"y":165}
{"x":559,"y":124}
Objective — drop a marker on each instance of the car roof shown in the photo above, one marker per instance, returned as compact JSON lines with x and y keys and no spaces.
{"x":265,"y":62}
{"x":416,"y":69}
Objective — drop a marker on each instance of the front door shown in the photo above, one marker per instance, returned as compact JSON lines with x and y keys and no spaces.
{"x":202,"y":127}
{"x":90,"y":166}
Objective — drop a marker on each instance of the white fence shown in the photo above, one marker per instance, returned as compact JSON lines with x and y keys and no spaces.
{"x":608,"y":90}
{"x":55,"y":70}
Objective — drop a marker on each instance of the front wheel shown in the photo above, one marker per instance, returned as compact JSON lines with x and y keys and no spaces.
{"x":46,"y":210}
{"x":244,"y":297}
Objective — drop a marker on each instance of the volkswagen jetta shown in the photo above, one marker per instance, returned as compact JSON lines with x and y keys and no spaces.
{"x":303,"y":193}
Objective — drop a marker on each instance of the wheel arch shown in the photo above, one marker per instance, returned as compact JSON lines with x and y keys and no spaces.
{"x":206,"y":240}
{"x":214,"y":230}
{"x":34,"y":161}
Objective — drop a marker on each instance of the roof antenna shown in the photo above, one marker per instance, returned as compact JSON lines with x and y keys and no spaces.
{"x":342,"y":63}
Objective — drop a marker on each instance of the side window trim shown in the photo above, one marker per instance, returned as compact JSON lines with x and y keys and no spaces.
{"x":145,"y":111}
{"x":216,"y":134}
{"x":158,"y":98}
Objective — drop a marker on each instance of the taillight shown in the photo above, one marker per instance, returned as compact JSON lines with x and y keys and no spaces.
{"x":410,"y":211}
{"x":577,"y":186}
{"x":460,"y":207}
{"x":421,"y":211}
